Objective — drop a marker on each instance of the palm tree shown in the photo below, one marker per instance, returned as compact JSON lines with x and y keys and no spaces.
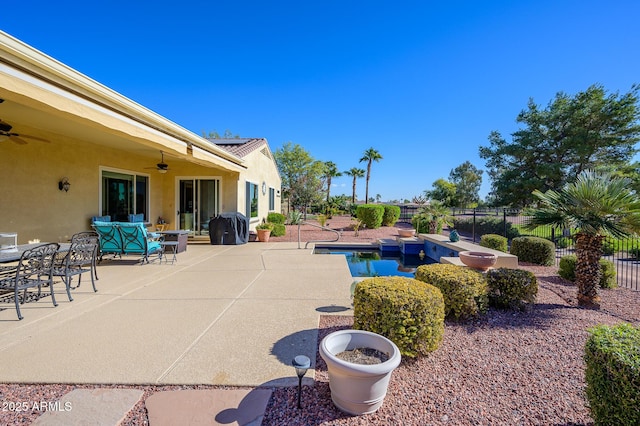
{"x":369,"y":156}
{"x":330,"y":171}
{"x":436,"y":215}
{"x":597,"y":205}
{"x":355,"y":173}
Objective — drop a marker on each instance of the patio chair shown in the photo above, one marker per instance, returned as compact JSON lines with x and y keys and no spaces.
{"x":90,"y":234}
{"x":110,"y":239}
{"x":80,"y":258}
{"x":34,"y":269}
{"x":136,"y":240}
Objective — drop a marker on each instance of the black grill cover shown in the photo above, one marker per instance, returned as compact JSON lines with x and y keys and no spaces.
{"x":229,"y":229}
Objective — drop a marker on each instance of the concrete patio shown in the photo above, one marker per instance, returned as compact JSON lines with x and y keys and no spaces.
{"x":221,"y":315}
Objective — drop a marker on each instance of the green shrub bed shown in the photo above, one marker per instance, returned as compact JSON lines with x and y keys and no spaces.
{"x":534,"y":250}
{"x":567,"y":270}
{"x":511,"y":288}
{"x":464,"y":289}
{"x":408,"y":312}
{"x":494,"y":241}
{"x":370,"y":215}
{"x":391,"y":215}
{"x":612,"y":357}
{"x":274,"y":217}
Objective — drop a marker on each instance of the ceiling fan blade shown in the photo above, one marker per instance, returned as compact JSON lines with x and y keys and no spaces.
{"x":16,"y":139}
{"x":35,"y":138}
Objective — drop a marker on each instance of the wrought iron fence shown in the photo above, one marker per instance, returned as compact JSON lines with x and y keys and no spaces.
{"x":625,"y":253}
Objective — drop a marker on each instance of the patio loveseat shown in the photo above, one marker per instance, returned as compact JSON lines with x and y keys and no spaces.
{"x":120,"y":238}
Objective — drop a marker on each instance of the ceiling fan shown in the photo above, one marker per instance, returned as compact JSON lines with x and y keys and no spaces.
{"x":161,"y":167}
{"x":6,"y":133}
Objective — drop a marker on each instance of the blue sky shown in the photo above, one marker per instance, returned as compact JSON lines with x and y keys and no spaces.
{"x":422,"y":82}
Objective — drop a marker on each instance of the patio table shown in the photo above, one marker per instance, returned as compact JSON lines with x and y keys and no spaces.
{"x":14,"y":255}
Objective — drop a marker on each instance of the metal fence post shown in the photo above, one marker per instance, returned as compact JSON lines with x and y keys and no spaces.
{"x":474,"y":225}
{"x":504,"y":221}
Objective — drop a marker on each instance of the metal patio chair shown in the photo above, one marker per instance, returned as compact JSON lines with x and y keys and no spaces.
{"x":34,"y":269}
{"x":80,"y":258}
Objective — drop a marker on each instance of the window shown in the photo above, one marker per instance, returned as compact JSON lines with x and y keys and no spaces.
{"x":272,"y":199}
{"x":124,"y":194}
{"x":252,"y":200}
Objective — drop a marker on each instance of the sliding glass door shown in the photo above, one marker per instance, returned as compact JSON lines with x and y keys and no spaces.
{"x":198,"y":202}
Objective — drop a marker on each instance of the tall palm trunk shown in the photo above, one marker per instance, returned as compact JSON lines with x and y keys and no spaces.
{"x":353,"y":196}
{"x":588,"y":273}
{"x":366,"y":191}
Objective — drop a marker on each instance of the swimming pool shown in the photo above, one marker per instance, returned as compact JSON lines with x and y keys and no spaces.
{"x":372,"y":263}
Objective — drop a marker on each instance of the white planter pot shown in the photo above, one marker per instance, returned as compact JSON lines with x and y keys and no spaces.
{"x":356,"y":388}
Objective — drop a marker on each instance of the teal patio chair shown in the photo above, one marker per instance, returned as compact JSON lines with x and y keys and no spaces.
{"x":110,"y":239}
{"x":136,"y":240}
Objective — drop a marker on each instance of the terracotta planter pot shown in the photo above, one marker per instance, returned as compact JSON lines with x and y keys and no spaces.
{"x":357,"y":388}
{"x":406,"y":233}
{"x":263,"y":234}
{"x":478,"y":259}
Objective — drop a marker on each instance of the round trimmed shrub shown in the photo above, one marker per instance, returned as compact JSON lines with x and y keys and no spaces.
{"x":608,"y":278}
{"x":567,"y":267}
{"x":534,"y":250}
{"x":494,"y":241}
{"x":511,"y":288}
{"x":274,"y":217}
{"x":464,"y":289}
{"x":391,"y":215}
{"x":278,"y":229}
{"x":567,"y":270}
{"x":370,"y":215}
{"x":612,"y":374}
{"x":406,"y":311}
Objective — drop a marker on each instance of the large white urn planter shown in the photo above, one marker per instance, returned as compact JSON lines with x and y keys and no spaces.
{"x":357,"y":388}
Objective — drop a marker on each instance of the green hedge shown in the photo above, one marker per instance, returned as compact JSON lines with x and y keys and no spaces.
{"x":534,"y":250}
{"x":464,"y":289}
{"x":494,"y":241}
{"x":391,"y":215}
{"x":370,"y":215}
{"x":567,"y":270}
{"x":404,"y":310}
{"x":485,"y":225}
{"x":612,"y":358}
{"x":511,"y":288}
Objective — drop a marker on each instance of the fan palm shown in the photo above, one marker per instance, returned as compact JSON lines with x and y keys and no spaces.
{"x":330,"y":171}
{"x":355,"y":173}
{"x":370,"y":155}
{"x":597,"y":205}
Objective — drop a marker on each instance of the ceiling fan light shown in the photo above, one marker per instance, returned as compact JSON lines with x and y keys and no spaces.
{"x":163,"y":171}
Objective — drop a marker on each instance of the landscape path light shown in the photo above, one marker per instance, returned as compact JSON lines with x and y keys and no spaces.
{"x":301,"y":363}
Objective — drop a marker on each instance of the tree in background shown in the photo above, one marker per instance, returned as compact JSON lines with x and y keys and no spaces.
{"x":355,"y":173}
{"x":330,"y":171}
{"x":597,"y":205}
{"x":370,"y":155}
{"x":301,"y":175}
{"x":467,"y":180}
{"x":443,"y":191}
{"x":590,"y":130}
{"x":228,"y":134}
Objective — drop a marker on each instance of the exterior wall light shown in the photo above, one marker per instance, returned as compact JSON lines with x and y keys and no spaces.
{"x":301,"y":363}
{"x":64,"y":184}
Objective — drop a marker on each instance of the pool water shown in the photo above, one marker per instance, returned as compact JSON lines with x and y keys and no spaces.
{"x":372,"y":263}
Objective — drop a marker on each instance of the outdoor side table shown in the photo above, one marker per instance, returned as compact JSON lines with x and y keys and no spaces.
{"x":180,"y":236}
{"x":174,"y":249}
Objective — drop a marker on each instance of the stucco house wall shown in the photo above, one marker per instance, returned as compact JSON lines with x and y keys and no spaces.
{"x":74,"y":127}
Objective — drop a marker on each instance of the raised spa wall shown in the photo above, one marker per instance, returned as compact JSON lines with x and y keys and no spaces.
{"x":439,"y":248}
